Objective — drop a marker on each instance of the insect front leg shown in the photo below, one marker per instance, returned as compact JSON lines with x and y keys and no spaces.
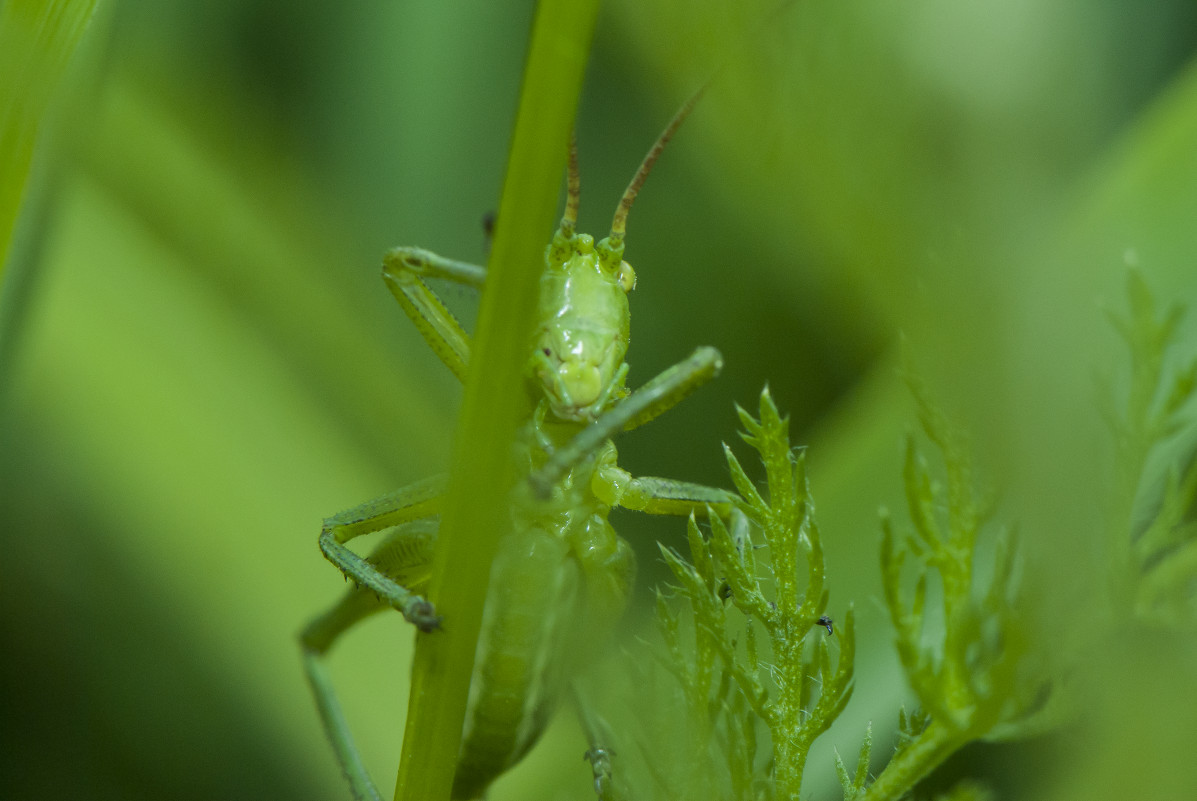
{"x":666,"y":496}
{"x":659,"y":395}
{"x":420,"y":500}
{"x":404,"y":557}
{"x":404,"y":270}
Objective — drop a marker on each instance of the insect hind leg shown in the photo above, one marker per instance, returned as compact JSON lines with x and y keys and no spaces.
{"x":404,"y":557}
{"x":315,"y":641}
{"x":607,"y":786}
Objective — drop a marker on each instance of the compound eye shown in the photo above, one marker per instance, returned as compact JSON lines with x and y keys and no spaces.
{"x":626,"y":277}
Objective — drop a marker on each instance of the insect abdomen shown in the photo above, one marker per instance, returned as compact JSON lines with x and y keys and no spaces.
{"x":521,"y":666}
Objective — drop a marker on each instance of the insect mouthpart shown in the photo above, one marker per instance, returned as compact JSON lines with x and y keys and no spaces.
{"x":574,"y":388}
{"x":579,"y":369}
{"x":582,"y":382}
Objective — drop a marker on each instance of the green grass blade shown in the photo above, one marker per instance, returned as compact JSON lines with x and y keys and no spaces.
{"x":494,"y":396}
{"x":37,"y":38}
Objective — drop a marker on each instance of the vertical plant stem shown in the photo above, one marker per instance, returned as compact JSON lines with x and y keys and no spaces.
{"x":789,"y":749}
{"x":495,"y":399}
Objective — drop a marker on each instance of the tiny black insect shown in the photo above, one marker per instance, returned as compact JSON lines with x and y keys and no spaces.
{"x":825,"y":621}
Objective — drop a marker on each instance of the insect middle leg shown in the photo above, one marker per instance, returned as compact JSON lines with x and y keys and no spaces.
{"x":405,"y":557}
{"x":414,"y":502}
{"x":666,"y":496}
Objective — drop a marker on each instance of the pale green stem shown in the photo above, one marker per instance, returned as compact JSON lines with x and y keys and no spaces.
{"x":934,"y":745}
{"x":494,"y":400}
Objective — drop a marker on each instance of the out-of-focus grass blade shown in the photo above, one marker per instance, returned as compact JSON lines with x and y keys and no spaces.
{"x":245,"y":227}
{"x":1139,"y":204}
{"x":37,"y":38}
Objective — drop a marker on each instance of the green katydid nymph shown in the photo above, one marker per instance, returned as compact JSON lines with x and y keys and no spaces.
{"x":562,"y":576}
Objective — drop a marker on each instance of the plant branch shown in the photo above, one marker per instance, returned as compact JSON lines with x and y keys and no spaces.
{"x":937,"y":742}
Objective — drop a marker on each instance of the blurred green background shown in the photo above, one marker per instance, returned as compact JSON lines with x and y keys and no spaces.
{"x":207,"y":363}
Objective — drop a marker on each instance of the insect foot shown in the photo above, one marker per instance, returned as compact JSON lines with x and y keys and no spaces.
{"x":423,"y":616}
{"x":600,"y":763}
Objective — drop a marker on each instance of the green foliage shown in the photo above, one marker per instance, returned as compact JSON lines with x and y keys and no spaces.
{"x":969,"y":676}
{"x":37,"y":40}
{"x":853,"y":784}
{"x":966,"y":791}
{"x":727,"y":594}
{"x":974,"y":678}
{"x":910,"y":728}
{"x":1153,"y":536}
{"x":214,"y":367}
{"x":964,"y":679}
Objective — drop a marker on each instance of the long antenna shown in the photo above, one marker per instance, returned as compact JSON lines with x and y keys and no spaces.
{"x":619,"y":223}
{"x":573,"y":195}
